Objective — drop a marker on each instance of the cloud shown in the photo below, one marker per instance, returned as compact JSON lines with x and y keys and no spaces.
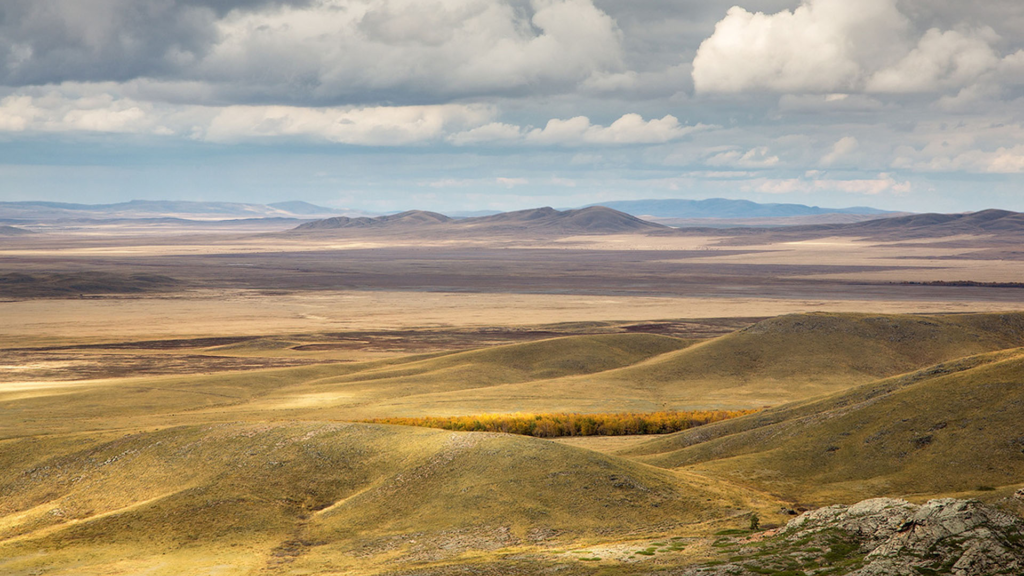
{"x":821,"y":46}
{"x":511,"y":182}
{"x":372,"y":126}
{"x":1002,"y":160}
{"x":494,"y":132}
{"x":100,"y":108}
{"x":90,"y":109}
{"x":325,"y":52}
{"x":840,"y":150}
{"x":758,"y":157}
{"x":830,"y":103}
{"x":628,"y":129}
{"x":814,"y":183}
{"x":941,"y":60}
{"x":55,"y":112}
{"x":830,"y":46}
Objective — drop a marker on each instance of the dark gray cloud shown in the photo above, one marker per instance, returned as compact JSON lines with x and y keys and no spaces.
{"x":304,"y":52}
{"x":52,"y":41}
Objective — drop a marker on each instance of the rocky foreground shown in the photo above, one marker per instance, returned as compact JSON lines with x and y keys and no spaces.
{"x":882,"y":537}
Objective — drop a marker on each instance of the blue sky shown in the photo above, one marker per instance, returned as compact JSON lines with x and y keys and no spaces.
{"x":485,"y":104}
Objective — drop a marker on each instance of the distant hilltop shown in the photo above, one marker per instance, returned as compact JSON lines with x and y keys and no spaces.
{"x":724,"y":208}
{"x":715,"y":212}
{"x":590,"y":220}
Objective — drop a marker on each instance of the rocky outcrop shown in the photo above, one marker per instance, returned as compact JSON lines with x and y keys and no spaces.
{"x":887,"y":537}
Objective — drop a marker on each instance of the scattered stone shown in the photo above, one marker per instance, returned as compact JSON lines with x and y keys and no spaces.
{"x":888,"y":537}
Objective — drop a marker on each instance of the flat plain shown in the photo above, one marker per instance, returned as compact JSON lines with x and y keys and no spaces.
{"x":183,"y":401}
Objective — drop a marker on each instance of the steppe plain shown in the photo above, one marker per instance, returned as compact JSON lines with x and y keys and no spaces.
{"x":186,"y":400}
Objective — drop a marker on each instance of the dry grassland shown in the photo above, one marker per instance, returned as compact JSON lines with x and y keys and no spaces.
{"x":203,"y":429}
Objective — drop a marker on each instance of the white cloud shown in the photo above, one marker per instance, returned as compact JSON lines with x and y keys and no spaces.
{"x":840,"y":150}
{"x":1002,"y":160}
{"x":492,"y":132}
{"x":84,"y":108}
{"x":374,"y":126}
{"x":820,"y":46}
{"x":758,"y":157}
{"x":941,"y":60}
{"x":78,"y":108}
{"x":52,"y":111}
{"x":840,"y":46}
{"x":511,"y":182}
{"x":813,"y":183}
{"x":629,"y":129}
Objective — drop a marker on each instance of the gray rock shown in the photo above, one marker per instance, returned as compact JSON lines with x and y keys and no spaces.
{"x":889,"y":537}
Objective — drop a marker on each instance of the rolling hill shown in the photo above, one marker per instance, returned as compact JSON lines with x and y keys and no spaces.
{"x":592,"y":220}
{"x":317,"y":497}
{"x":325,"y":391}
{"x":781,"y":360}
{"x":1001,"y":225}
{"x":773,"y":362}
{"x":402,"y":219}
{"x":950,"y":428}
{"x":259,"y":472}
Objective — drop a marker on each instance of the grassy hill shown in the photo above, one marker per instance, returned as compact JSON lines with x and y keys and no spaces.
{"x":800,"y":356}
{"x":327,"y":391}
{"x":257,"y":472}
{"x":323,"y":497}
{"x":773,"y":362}
{"x":409,"y":388}
{"x":954,"y":427}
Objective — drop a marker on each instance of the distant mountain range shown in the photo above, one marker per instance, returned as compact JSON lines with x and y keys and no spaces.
{"x":724,"y":208}
{"x":1002,"y":222}
{"x":590,"y":220}
{"x":12,"y":231}
{"x":668,"y":212}
{"x":42,"y":211}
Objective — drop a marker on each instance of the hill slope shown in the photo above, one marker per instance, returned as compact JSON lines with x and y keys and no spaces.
{"x":775,"y":361}
{"x":412,"y":388}
{"x":321,"y":497}
{"x":326,"y":391}
{"x":1001,"y":224}
{"x":402,"y":219}
{"x":950,"y":428}
{"x":593,"y":220}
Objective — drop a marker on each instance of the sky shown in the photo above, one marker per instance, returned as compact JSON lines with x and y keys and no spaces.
{"x":458,"y":105}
